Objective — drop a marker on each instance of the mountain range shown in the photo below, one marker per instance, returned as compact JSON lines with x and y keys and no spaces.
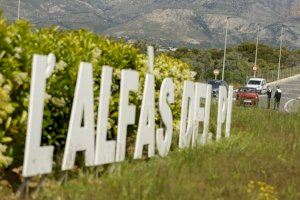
{"x":197,"y":23}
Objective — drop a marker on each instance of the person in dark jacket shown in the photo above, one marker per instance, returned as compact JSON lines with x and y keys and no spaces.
{"x":269,"y":95}
{"x":277,"y":97}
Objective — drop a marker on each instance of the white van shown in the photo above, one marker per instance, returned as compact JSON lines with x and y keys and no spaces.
{"x":260,"y":84}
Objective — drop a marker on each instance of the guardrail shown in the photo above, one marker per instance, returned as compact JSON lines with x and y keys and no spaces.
{"x":271,"y":75}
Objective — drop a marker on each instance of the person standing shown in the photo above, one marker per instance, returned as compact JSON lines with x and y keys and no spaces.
{"x":269,"y":96}
{"x":277,"y":97}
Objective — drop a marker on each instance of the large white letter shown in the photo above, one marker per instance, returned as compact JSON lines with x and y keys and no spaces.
{"x":105,"y":150}
{"x":229,"y":111}
{"x":146,"y":128}
{"x":187,"y":114}
{"x":222,"y":107}
{"x":166,"y":97}
{"x":37,"y":160}
{"x":81,"y":137}
{"x":203,"y":91}
{"x":129,"y":82}
{"x":205,"y":134}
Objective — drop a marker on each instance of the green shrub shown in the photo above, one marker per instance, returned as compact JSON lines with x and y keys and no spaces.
{"x":6,"y":109}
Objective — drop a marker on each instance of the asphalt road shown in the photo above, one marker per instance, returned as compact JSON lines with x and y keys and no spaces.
{"x":290,"y":92}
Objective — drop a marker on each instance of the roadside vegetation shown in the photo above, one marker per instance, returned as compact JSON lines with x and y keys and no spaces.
{"x":239,"y":62}
{"x":259,"y":161}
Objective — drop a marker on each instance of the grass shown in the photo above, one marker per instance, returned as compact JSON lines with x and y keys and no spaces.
{"x":261,"y":160}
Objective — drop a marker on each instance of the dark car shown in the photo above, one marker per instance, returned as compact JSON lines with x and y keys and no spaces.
{"x":247,"y":96}
{"x":216,"y":85}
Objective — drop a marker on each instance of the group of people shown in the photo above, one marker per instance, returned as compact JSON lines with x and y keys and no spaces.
{"x":277,"y":97}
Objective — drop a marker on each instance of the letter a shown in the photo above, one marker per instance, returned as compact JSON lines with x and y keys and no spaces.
{"x":146,"y":129}
{"x":81,"y":137}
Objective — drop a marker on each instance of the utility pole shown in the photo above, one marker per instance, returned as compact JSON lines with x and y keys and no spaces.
{"x":19,"y":5}
{"x":280,"y":53}
{"x":150,"y":52}
{"x":225,"y":47}
{"x":255,"y":62}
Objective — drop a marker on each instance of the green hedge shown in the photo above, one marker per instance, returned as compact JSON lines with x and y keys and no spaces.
{"x":19,"y":41}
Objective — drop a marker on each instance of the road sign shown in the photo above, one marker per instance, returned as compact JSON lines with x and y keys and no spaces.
{"x":254,"y":68}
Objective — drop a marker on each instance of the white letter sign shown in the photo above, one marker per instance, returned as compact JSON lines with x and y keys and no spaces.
{"x":37,"y":160}
{"x":187,"y":114}
{"x":145,"y":133}
{"x":202,"y":93}
{"x":222,"y":108}
{"x":97,"y":147}
{"x":105,"y":150}
{"x":229,"y":111}
{"x":206,"y":114}
{"x":81,"y":133}
{"x":129,"y":82}
{"x":166,"y":96}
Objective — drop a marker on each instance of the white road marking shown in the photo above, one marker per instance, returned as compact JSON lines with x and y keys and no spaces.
{"x":286,"y":105}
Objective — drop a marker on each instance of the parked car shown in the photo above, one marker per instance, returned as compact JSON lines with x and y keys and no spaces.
{"x":216,"y":85}
{"x":260,"y":84}
{"x":247,"y":96}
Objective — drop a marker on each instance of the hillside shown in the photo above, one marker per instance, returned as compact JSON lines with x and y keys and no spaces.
{"x":171,"y":22}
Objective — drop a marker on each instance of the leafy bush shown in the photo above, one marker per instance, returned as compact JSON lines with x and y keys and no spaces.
{"x":19,"y":41}
{"x":6,"y":108}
